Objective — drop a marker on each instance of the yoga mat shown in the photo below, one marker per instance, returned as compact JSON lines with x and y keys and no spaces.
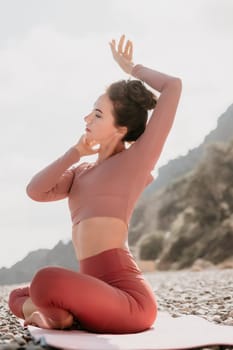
{"x":183,"y":332}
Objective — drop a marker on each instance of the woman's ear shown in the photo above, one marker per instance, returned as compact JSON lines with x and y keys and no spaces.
{"x":122,"y":130}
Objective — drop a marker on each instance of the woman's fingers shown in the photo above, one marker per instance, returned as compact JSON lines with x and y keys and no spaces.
{"x":127,"y":46}
{"x":120,"y":48}
{"x":130,"y":51}
{"x":93,"y":145}
{"x":121,"y":42}
{"x":113,"y":44}
{"x":127,"y":52}
{"x":123,"y":54}
{"x":113,"y":47}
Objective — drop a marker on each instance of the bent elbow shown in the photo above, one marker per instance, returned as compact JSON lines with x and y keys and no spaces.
{"x":177,"y":82}
{"x":174,"y":84}
{"x":28,"y":190}
{"x":31,"y":194}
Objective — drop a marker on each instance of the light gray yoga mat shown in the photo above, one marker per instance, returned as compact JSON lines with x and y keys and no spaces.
{"x":167,"y":333}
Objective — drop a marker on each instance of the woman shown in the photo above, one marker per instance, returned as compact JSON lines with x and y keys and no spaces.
{"x":109,"y":293}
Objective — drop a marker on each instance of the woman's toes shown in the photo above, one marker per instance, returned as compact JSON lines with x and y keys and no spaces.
{"x":37,"y":319}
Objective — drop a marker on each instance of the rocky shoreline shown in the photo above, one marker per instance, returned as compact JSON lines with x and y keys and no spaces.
{"x":208,"y":294}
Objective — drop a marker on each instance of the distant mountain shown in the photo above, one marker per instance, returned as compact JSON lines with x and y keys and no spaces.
{"x":61,"y":255}
{"x":183,"y":164}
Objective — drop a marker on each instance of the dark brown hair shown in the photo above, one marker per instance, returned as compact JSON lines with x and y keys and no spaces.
{"x":131,"y":102}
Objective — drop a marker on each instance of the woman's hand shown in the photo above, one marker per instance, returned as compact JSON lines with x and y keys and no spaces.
{"x":123,"y":55}
{"x":85,"y":146}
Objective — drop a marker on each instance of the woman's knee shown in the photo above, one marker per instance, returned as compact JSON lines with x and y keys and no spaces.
{"x":148,"y":316}
{"x":43,"y":275}
{"x":44,"y":283}
{"x":16,"y":300}
{"x":151,"y":315}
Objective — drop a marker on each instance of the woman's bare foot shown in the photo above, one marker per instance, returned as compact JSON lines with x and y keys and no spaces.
{"x":28,"y":308}
{"x":37,"y":319}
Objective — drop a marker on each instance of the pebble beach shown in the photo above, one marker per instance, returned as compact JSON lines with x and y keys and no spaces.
{"x":207,"y":293}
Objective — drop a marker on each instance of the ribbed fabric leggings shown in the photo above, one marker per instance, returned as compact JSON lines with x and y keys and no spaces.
{"x":108,"y":295}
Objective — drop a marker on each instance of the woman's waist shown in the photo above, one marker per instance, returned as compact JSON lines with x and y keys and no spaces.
{"x":94,"y":235}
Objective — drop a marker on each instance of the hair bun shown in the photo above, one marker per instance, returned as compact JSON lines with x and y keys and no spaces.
{"x":139,"y":94}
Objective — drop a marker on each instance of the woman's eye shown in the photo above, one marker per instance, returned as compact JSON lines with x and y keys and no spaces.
{"x":98,"y":116}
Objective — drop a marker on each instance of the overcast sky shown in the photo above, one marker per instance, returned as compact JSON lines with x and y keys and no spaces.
{"x":55,"y":61}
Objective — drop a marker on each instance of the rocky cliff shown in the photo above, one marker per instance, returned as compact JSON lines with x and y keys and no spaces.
{"x":182,"y":165}
{"x":175,"y":169}
{"x":192,"y":217}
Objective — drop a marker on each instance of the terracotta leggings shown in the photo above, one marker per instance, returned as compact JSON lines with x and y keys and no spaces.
{"x":108,"y":295}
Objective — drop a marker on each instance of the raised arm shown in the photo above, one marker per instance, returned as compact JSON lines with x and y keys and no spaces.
{"x":53,"y":182}
{"x":149,"y":145}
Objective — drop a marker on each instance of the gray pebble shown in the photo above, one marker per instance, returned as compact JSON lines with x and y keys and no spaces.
{"x":216,"y":318}
{"x":19,"y":340}
{"x":8,"y":336}
{"x":229,"y":322}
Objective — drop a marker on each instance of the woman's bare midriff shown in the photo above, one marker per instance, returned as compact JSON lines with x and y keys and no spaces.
{"x":94,"y":235}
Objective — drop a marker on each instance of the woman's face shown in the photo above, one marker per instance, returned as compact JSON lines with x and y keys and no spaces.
{"x":100,"y":122}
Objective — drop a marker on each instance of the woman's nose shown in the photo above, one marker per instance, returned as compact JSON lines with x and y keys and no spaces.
{"x":87,"y":117}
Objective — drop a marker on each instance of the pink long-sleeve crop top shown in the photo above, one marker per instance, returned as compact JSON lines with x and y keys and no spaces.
{"x":112,"y":187}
